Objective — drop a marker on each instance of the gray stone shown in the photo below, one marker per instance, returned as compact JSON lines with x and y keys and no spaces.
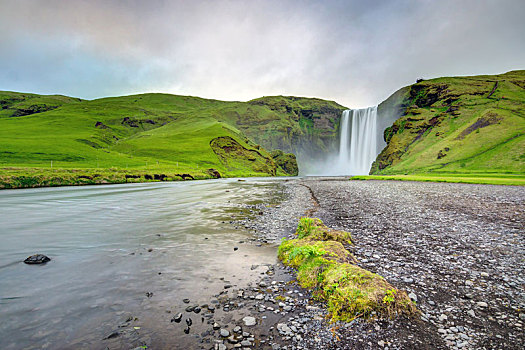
{"x":37,"y":259}
{"x":249,"y":321}
{"x":412,"y":296}
{"x":224,"y":332}
{"x":482,"y":304}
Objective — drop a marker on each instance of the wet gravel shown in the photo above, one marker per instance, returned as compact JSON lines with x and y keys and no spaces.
{"x":458,"y":249}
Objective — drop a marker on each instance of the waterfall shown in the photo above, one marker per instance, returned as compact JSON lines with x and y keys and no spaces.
{"x":358,"y":141}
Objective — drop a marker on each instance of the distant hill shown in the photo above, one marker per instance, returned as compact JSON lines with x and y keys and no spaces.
{"x":56,"y":140}
{"x":455,"y":125}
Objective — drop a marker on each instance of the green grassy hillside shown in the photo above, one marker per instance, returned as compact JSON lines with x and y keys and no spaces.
{"x":56,"y":140}
{"x":459,"y":125}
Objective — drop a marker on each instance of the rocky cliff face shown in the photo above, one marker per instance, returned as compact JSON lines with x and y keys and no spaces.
{"x":307,"y":127}
{"x":461,"y":124}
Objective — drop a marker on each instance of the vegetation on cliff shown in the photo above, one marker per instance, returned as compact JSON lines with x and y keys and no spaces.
{"x":57,"y":140}
{"x":459,"y":125}
{"x":325,"y":265}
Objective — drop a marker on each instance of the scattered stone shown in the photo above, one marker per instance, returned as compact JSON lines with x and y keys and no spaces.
{"x":249,"y":321}
{"x":224,"y":333}
{"x":177,"y":318}
{"x":37,"y":259}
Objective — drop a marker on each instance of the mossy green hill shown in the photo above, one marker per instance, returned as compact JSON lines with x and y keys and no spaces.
{"x":459,"y":125}
{"x":56,"y":140}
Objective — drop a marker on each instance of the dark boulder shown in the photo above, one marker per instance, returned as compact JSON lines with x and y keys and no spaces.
{"x":148,"y":177}
{"x":37,"y":259}
{"x":100,"y":125}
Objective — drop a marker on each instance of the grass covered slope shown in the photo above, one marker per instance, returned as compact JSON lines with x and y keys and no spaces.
{"x":57,"y":140}
{"x":459,"y":125}
{"x":324,"y":265}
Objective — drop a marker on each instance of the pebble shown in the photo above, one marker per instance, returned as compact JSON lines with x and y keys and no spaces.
{"x":249,"y":321}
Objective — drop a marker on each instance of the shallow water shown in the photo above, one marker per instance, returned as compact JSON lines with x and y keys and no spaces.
{"x":109,"y":246}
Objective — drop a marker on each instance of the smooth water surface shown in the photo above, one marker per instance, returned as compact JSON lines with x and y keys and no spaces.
{"x":110,"y":245}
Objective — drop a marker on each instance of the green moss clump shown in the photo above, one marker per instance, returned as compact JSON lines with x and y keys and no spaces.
{"x":314,"y":229}
{"x":324,"y":266}
{"x":351,"y":292}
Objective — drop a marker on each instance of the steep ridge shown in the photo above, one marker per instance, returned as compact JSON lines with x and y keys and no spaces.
{"x":455,"y":125}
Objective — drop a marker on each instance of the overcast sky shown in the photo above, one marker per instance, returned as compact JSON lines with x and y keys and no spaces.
{"x":354,"y":52}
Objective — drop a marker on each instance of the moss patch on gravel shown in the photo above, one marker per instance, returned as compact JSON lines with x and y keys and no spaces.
{"x":325,"y":266}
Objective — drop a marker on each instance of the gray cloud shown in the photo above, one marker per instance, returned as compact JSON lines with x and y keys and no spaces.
{"x":354,"y":52}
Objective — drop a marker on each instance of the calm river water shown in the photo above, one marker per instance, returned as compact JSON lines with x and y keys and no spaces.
{"x":110,"y":245}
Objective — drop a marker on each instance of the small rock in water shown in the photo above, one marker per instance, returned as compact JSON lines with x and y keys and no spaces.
{"x":188,"y":322}
{"x":177,"y":318}
{"x":187,"y":330}
{"x":249,"y":321}
{"x":235,"y":248}
{"x":37,"y":259}
{"x":113,"y":335}
{"x":186,"y":301}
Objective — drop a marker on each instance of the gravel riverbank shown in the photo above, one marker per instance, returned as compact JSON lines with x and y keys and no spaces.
{"x":459,"y":249}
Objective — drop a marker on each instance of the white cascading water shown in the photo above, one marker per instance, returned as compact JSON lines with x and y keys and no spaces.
{"x":358,"y":141}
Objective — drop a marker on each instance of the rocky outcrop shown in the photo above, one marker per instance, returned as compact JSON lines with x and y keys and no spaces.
{"x":286,"y":161}
{"x":233,"y":155}
{"x":307,"y":127}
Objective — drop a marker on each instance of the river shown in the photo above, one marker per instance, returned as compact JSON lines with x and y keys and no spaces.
{"x":110,"y":247}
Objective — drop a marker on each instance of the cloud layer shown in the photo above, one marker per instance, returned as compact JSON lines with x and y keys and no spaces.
{"x":354,"y":52}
